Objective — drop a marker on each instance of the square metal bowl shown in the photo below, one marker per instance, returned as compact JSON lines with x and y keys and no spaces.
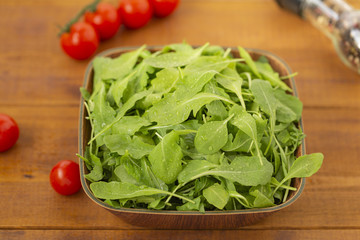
{"x":165,"y":219}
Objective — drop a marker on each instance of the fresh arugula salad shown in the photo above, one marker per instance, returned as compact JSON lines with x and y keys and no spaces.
{"x":192,"y":129}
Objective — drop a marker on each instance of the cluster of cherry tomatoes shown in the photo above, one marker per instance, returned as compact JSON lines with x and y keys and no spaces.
{"x":101,"y":21}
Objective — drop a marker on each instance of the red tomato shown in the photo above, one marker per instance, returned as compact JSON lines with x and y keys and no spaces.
{"x":81,"y":42}
{"x":163,"y":8}
{"x":135,"y":13}
{"x":65,"y":177}
{"x":105,"y":20}
{"x":9,"y":132}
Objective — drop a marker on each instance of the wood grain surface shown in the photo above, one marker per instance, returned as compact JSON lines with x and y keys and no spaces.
{"x":39,"y":87}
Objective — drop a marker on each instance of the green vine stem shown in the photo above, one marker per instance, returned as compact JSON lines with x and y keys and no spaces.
{"x":88,"y":8}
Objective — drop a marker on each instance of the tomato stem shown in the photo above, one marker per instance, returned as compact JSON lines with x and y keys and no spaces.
{"x":88,"y":8}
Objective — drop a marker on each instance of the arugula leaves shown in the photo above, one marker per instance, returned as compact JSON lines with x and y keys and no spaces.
{"x":216,"y":195}
{"x":169,"y":111}
{"x":211,"y":136}
{"x":166,"y":157}
{"x":192,"y":130}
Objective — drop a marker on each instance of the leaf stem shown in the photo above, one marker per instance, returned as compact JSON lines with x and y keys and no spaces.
{"x":283,"y":155}
{"x":91,"y":7}
{"x":84,"y":159}
{"x":289,"y":76}
{"x":179,"y":196}
{"x":249,"y":78}
{"x":173,"y":192}
{"x":240,"y":198}
{"x":226,"y":53}
{"x":102,"y":131}
{"x":286,"y":190}
{"x":204,"y":118}
{"x":159,"y":136}
{"x":185,"y":131}
{"x":181,"y":73}
{"x":91,"y":123}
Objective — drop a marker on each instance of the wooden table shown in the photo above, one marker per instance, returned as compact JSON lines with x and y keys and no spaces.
{"x":39,"y":87}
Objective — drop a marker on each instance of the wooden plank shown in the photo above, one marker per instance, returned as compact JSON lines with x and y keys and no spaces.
{"x":48,"y":134}
{"x":180,"y":235}
{"x":34,"y":67}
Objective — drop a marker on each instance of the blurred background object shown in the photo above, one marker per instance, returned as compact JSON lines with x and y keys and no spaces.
{"x":336,"y":19}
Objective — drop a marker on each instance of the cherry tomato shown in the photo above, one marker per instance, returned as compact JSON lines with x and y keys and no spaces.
{"x":135,"y":13}
{"x":81,"y":42}
{"x":9,"y":132}
{"x":105,"y":20}
{"x":163,"y":8}
{"x":65,"y":177}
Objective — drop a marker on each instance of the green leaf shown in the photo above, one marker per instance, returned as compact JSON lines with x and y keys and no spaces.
{"x":245,"y":55}
{"x":163,"y":83}
{"x":213,"y":51}
{"x":264,"y":96}
{"x":247,"y":171}
{"x":122,"y":190}
{"x":85,"y":94}
{"x":121,"y":143}
{"x":122,"y":174}
{"x":277,"y":161}
{"x":289,"y":108}
{"x":271,"y":76}
{"x":243,"y":199}
{"x":157,"y":204}
{"x":112,"y":203}
{"x":216,"y":111}
{"x":241,"y":142}
{"x":211,"y":136}
{"x":216,"y":195}
{"x":129,"y":125}
{"x":178,"y":47}
{"x":244,"y":170}
{"x":114,"y":68}
{"x":231,"y":80}
{"x":128,"y":105}
{"x":165,"y":80}
{"x":102,"y":114}
{"x":305,"y":166}
{"x":199,"y":73}
{"x":118,"y":87}
{"x":166,"y":157}
{"x":174,"y":59}
{"x":263,"y":196}
{"x":96,"y":174}
{"x":190,"y":206}
{"x":149,"y":178}
{"x":194,"y":168}
{"x":169,"y":111}
{"x":246,"y":123}
{"x":192,"y":84}
{"x":132,"y":168}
